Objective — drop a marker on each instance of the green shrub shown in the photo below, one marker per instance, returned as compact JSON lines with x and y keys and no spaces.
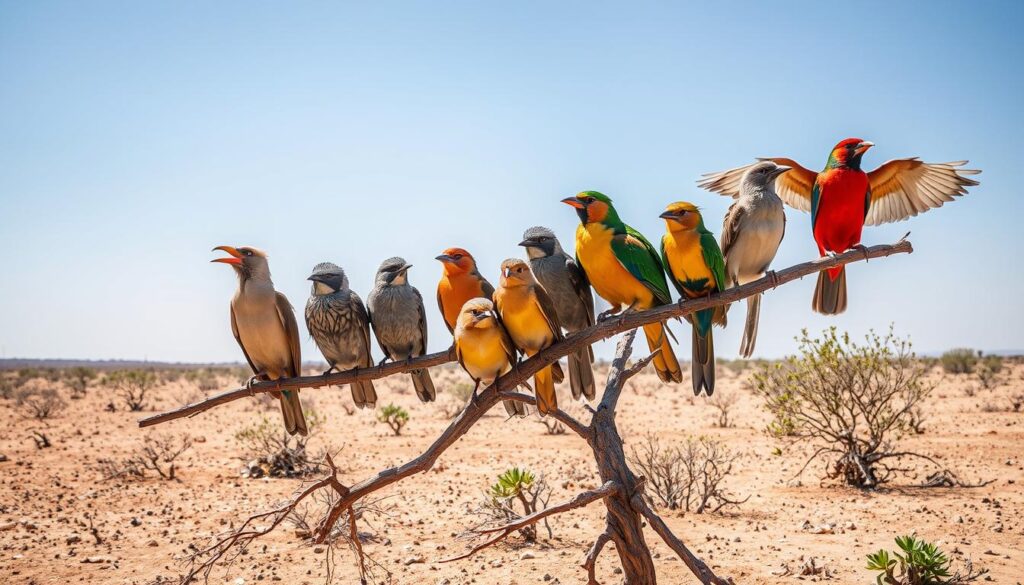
{"x":517,"y":494}
{"x":269,"y":451}
{"x":78,"y":379}
{"x":394,"y":416}
{"x":917,"y":563}
{"x":959,"y":361}
{"x":132,"y":386}
{"x":988,"y":369}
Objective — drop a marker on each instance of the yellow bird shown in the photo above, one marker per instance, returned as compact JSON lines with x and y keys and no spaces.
{"x":625,"y":270}
{"x":529,"y":316}
{"x":484,"y":348}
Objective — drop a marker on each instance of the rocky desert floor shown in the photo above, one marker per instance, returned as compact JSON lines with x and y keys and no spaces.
{"x":61,"y":521}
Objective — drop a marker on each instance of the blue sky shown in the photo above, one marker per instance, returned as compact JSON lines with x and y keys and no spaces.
{"x":136,"y":136}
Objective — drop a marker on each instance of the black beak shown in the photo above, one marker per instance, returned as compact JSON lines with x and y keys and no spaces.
{"x":782,"y":169}
{"x":316,"y":278}
{"x":528,"y":243}
{"x":444,"y":258}
{"x":668,"y":215}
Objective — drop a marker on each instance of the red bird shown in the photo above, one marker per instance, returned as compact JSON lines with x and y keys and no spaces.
{"x":843,"y":199}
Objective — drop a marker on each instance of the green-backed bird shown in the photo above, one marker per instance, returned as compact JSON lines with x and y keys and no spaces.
{"x":263,"y":323}
{"x":625,"y":270}
{"x":696,"y":267}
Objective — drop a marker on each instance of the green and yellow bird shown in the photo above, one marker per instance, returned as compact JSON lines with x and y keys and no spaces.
{"x":624,"y":269}
{"x":696,"y":267}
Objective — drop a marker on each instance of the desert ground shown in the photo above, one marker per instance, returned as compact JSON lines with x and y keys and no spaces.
{"x":62,"y":521}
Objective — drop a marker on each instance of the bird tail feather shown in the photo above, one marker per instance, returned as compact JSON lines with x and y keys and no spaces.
{"x":424,"y":385}
{"x":363,"y":394}
{"x":702,"y":370}
{"x":291,"y":409}
{"x":544,"y":388}
{"x":830,"y":292}
{"x":581,"y":374}
{"x":557,"y":373}
{"x":665,"y":363}
{"x":750,"y":329}
{"x":515,"y":408}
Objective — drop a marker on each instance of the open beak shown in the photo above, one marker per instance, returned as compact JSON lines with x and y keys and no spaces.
{"x":780,"y":170}
{"x":574,"y":202}
{"x":235,"y":259}
{"x":444,"y":258}
{"x":864,"y":146}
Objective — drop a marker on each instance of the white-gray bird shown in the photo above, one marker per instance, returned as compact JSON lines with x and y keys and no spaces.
{"x":569,"y":290}
{"x":263,"y":323}
{"x":399,"y":321}
{"x":751,"y":234}
{"x":338,"y":322}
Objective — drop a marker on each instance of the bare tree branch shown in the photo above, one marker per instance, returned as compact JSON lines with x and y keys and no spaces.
{"x":696,"y":566}
{"x":579,"y":501}
{"x":590,"y":563}
{"x":526,"y":369}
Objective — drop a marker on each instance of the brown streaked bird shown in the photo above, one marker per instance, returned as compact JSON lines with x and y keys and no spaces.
{"x":484,"y":348}
{"x":569,"y":289}
{"x":338,"y":322}
{"x":263,"y":323}
{"x":460,"y":282}
{"x":529,"y":316}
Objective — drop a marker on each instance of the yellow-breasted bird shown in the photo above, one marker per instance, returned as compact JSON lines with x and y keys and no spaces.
{"x":484,"y":348}
{"x":625,"y":270}
{"x":460,"y":282}
{"x":696,"y":267}
{"x":263,"y":323}
{"x":529,"y":316}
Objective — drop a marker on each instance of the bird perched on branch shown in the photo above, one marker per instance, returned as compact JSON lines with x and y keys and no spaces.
{"x":843,"y":199}
{"x":751,"y":234}
{"x":399,"y":321}
{"x":695,"y":266}
{"x":338,"y":322}
{"x":263,"y":323}
{"x":625,"y":270}
{"x":484,"y":348}
{"x":569,"y":290}
{"x":530,"y":319}
{"x":460,"y":282}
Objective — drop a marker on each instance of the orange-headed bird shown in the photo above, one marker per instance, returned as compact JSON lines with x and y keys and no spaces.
{"x":843,"y":199}
{"x":460,"y":282}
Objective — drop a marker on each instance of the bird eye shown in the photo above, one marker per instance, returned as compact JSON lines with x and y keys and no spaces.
{"x":247,"y":252}
{"x":457,"y":256}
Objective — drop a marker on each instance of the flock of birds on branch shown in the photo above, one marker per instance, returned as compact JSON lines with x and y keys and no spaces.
{"x":536,"y":300}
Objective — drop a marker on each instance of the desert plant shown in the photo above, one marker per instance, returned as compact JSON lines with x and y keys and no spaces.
{"x":960,"y":360}
{"x":850,"y":400}
{"x":270,"y":451}
{"x":157,"y":453}
{"x":516,"y":494}
{"x":39,"y":400}
{"x":78,"y":379}
{"x":462,"y":391}
{"x":551,"y":426}
{"x":687,"y":476}
{"x":918,"y":563}
{"x":394,"y":416}
{"x":987,"y":370}
{"x":723,"y":403}
{"x":132,"y":386}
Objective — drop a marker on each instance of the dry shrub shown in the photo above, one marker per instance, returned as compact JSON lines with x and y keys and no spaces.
{"x":132,"y":386}
{"x":270,"y":451}
{"x":723,"y":403}
{"x":987,"y":371}
{"x":39,"y":400}
{"x":959,"y":361}
{"x":687,"y":476}
{"x":849,"y":400}
{"x":158,"y":454}
{"x":78,"y":379}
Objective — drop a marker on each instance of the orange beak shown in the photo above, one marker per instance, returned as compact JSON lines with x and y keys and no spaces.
{"x":864,"y":146}
{"x":236,"y":256}
{"x":574,"y":202}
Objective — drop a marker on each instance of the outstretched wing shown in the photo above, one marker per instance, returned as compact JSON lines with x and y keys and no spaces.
{"x":793,"y":186}
{"x":639,"y":257}
{"x":905,"y":187}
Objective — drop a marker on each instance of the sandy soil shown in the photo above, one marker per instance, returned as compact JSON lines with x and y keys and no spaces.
{"x":48,"y":497}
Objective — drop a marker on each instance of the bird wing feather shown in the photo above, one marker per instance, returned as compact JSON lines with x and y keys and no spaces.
{"x":422,"y":321}
{"x":363,"y":320}
{"x":639,"y":257}
{"x":440,"y":307}
{"x":291,"y":328}
{"x":581,"y":284}
{"x":905,"y":187}
{"x":547,"y":308}
{"x":793,"y":186}
{"x":731,"y":226}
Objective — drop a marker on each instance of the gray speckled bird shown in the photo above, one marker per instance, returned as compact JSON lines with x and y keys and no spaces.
{"x":751,"y":234}
{"x":263,"y":323}
{"x":399,"y":321}
{"x":569,"y":289}
{"x":338,"y":322}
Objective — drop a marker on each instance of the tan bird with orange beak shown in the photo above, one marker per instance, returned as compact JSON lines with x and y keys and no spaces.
{"x":484,"y":348}
{"x":529,"y":316}
{"x":263,"y":322}
{"x":460,"y":282}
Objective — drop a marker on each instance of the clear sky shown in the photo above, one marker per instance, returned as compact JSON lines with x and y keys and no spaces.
{"x":135,"y":136}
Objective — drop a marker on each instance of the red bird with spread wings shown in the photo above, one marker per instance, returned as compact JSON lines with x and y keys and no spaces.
{"x":843,"y":199}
